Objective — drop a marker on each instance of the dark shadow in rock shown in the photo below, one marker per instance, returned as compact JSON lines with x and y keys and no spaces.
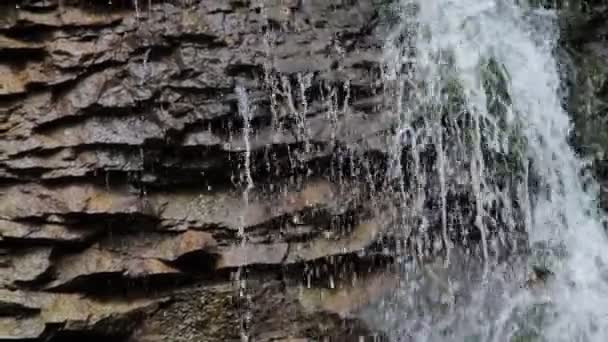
{"x":102,"y":6}
{"x":27,"y":34}
{"x":71,"y":336}
{"x":11,"y":310}
{"x":199,"y":264}
{"x":17,"y":58}
{"x":112,"y":285}
{"x":341,"y":268}
{"x":252,"y":71}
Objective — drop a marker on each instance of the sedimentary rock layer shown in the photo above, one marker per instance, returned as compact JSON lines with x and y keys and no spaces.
{"x":153,"y":152}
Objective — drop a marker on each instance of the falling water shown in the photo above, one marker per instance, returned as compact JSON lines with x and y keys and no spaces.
{"x":478,"y":80}
{"x":244,"y":109}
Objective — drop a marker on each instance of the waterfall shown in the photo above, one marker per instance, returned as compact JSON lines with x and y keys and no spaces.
{"x":478,"y":81}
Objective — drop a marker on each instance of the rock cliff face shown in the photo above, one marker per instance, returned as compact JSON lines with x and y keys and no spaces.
{"x":197,"y":170}
{"x":189,"y":170}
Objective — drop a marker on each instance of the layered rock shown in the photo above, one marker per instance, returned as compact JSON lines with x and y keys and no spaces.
{"x":211,"y":170}
{"x":189,"y":170}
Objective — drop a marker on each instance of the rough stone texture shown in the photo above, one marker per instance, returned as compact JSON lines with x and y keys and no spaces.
{"x":208,"y":313}
{"x":200,"y":170}
{"x":153,"y":153}
{"x":35,"y":312}
{"x":584,"y":33}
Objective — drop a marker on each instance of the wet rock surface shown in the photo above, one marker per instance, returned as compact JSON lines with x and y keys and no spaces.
{"x":190,"y":170}
{"x":584,"y":33}
{"x":208,"y":170}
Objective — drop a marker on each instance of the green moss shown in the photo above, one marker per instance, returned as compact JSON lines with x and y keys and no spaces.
{"x":588,"y":103}
{"x":495,"y":80}
{"x":388,"y":12}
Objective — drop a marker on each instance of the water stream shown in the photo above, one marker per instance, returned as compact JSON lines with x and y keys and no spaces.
{"x":478,"y":80}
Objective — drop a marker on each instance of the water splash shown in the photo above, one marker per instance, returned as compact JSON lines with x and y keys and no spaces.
{"x":478,"y":79}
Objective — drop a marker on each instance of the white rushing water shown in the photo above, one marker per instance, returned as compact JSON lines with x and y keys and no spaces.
{"x":563,"y":214}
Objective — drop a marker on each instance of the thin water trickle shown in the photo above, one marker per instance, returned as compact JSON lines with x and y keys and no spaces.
{"x":137,"y":12}
{"x":245,"y":109}
{"x":478,"y":79}
{"x":245,"y":113}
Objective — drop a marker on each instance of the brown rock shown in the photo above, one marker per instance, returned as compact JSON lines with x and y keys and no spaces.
{"x":133,"y":256}
{"x":47,"y":232}
{"x":123,"y":146}
{"x":71,"y":312}
{"x":16,"y":328}
{"x":7,"y":43}
{"x":362,"y":236}
{"x":252,"y":254}
{"x":215,"y":313}
{"x":346,"y":298}
{"x":36,"y":201}
{"x":67,"y":16}
{"x":24,"y":266}
{"x":177,"y":211}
